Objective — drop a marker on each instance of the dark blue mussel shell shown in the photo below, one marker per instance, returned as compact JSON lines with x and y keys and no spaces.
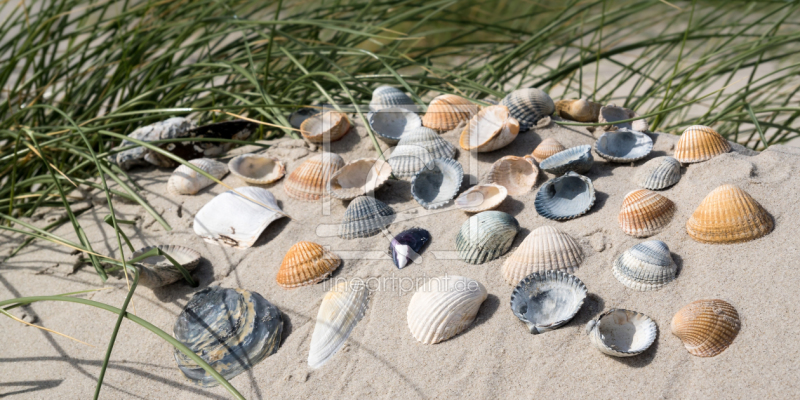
{"x":408,"y":244}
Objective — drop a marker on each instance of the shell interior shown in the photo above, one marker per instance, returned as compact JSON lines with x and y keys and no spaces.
{"x":359,"y":177}
{"x":486,"y":236}
{"x":517,"y":174}
{"x":481,"y":197}
{"x":622,"y":333}
{"x":235,"y":221}
{"x":624,"y":145}
{"x":257,"y":168}
{"x":297,"y":117}
{"x":328,"y":126}
{"x":437,"y":183}
{"x":548,"y":300}
{"x":577,"y":159}
{"x":340,"y":311}
{"x":390,"y":123}
{"x":490,"y":129}
{"x":565,"y":197}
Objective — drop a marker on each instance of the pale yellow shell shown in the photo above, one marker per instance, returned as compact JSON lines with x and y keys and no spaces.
{"x":517,"y":174}
{"x":188,"y":181}
{"x":359,"y":177}
{"x":581,"y":110}
{"x":481,"y":197}
{"x":329,"y":126}
{"x":700,"y":143}
{"x":729,"y":215}
{"x":446,"y":111}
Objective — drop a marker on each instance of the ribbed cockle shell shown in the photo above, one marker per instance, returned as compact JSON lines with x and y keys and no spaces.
{"x":547,"y":148}
{"x":364,"y":217}
{"x":700,"y":143}
{"x":645,"y":213}
{"x":706,"y":327}
{"x":444,"y":307}
{"x":528,"y":106}
{"x":646,"y":266}
{"x":729,"y":215}
{"x":486,"y":236}
{"x":188,"y":181}
{"x":622,"y":333}
{"x":306,"y":263}
{"x":658,"y":173}
{"x":445,"y":112}
{"x":545,"y":248}
{"x":309,"y":181}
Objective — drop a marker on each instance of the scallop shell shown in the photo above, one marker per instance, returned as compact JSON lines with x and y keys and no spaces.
{"x":387,"y":96}
{"x":729,"y":215}
{"x":517,"y":174}
{"x":359,"y":177}
{"x":341,"y":309}
{"x":623,"y":146}
{"x":309,"y":181}
{"x":185,"y":180}
{"x":613,"y":113}
{"x":444,"y":307}
{"x":232,"y":220}
{"x":547,"y":148}
{"x":622,"y":333}
{"x":490,"y":129}
{"x":486,"y":236}
{"x":565,"y":197}
{"x":326,"y":127}
{"x":581,"y":110}
{"x":297,"y":117}
{"x":445,"y":112}
{"x":157,"y":271}
{"x":406,"y":161}
{"x":257,"y":169}
{"x":405,"y":247}
{"x":390,"y":123}
{"x":364,"y":217}
{"x":481,"y":197}
{"x":700,"y":143}
{"x":545,"y":248}
{"x":429,"y":140}
{"x":306,"y":263}
{"x":437,"y":183}
{"x":230,"y":329}
{"x":706,"y":327}
{"x":658,"y":173}
{"x":646,"y":266}
{"x":548,"y":300}
{"x":645,"y":213}
{"x":577,"y":159}
{"x":528,"y":106}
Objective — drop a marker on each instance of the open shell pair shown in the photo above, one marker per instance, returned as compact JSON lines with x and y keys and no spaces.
{"x":490,"y":129}
{"x":309,"y":181}
{"x":528,"y":106}
{"x":517,"y":174}
{"x":546,"y":301}
{"x":436,"y":184}
{"x":622,"y":333}
{"x":565,"y":197}
{"x":577,"y":159}
{"x":486,"y":236}
{"x":257,"y":169}
{"x":185,"y":180}
{"x":329,"y":126}
{"x":235,"y":221}
{"x":445,"y":112}
{"x":623,"y":146}
{"x":545,"y":248}
{"x":444,"y":307}
{"x":359,"y":177}
{"x":391,"y":123}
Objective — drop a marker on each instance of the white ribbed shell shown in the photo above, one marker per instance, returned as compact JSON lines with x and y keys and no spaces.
{"x":545,"y":248}
{"x":341,"y":309}
{"x":185,"y":180}
{"x":444,"y":307}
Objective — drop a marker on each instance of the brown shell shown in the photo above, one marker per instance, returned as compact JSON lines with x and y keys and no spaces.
{"x":547,"y":148}
{"x":309,"y":181}
{"x":706,"y":327}
{"x":645,"y":213}
{"x":329,"y":126}
{"x":490,"y":129}
{"x":517,"y":174}
{"x":446,"y":111}
{"x":729,"y":215}
{"x":581,"y":110}
{"x":700,"y":143}
{"x":306,"y":263}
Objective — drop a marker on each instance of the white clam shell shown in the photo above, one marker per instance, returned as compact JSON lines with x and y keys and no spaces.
{"x":340,"y":311}
{"x":622,"y":333}
{"x":359,"y":177}
{"x":436,"y":184}
{"x":256,"y":168}
{"x":658,"y":173}
{"x":185,"y":180}
{"x":545,"y":248}
{"x":481,"y":197}
{"x":391,"y":123}
{"x":623,"y":146}
{"x":490,"y":129}
{"x":232,"y":220}
{"x":156,"y":271}
{"x":546,"y":301}
{"x":645,"y":266}
{"x":444,"y":307}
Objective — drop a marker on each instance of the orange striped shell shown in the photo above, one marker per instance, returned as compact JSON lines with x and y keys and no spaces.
{"x":306,"y":263}
{"x":547,"y":148}
{"x":309,"y":181}
{"x":446,"y":111}
{"x":700,"y":143}
{"x":645,"y":213}
{"x":706,"y":327}
{"x":729,"y":215}
{"x":329,"y":126}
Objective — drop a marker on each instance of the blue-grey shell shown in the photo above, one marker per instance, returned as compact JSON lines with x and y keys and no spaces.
{"x":413,"y":239}
{"x":176,"y":127}
{"x":565,"y":197}
{"x":387,"y":96}
{"x":429,"y":140}
{"x":547,"y":300}
{"x":645,"y":266}
{"x":438,"y":183}
{"x":297,"y":117}
{"x":486,"y":236}
{"x":578,"y":159}
{"x":528,"y":106}
{"x":659,"y":173}
{"x":364,"y":217}
{"x":392,"y":122}
{"x":623,"y":146}
{"x":230,"y":329}
{"x":416,"y":148}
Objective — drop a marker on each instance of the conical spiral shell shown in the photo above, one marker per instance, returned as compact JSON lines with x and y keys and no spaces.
{"x":309,"y":181}
{"x":545,"y":248}
{"x":581,"y":110}
{"x":517,"y":174}
{"x":185,"y":180}
{"x":444,"y":307}
{"x":445,"y":112}
{"x":387,"y":96}
{"x":340,"y":311}
{"x":326,"y":127}
{"x":646,"y":266}
{"x":486,"y":236}
{"x":547,"y":148}
{"x":645,"y":213}
{"x":729,"y":215}
{"x":490,"y":129}
{"x":700,"y":143}
{"x":706,"y":327}
{"x":528,"y":106}
{"x":364,"y":217}
{"x":658,"y":173}
{"x":306,"y":263}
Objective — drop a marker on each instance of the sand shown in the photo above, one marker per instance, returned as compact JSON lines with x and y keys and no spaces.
{"x":495,"y":357}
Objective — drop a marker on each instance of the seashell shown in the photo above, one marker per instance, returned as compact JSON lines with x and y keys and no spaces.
{"x":581,"y":110}
{"x":341,"y":309}
{"x":646,"y":266}
{"x":437,"y":183}
{"x":445,"y":112}
{"x":201,"y":146}
{"x":230,"y":329}
{"x":547,"y":148}
{"x":364,"y":217}
{"x":546,"y":301}
{"x":359,"y":177}
{"x":700,"y":143}
{"x":545,"y":248}
{"x":623,"y":146}
{"x":578,"y":159}
{"x":309,"y":181}
{"x":528,"y":106}
{"x":706,"y":327}
{"x":406,"y":161}
{"x":490,"y":129}
{"x":390,"y":123}
{"x":405,"y":247}
{"x":481,"y":197}
{"x":622,"y":333}
{"x":170,"y":128}
{"x":613,"y":113}
{"x":185,"y":180}
{"x":257,"y":169}
{"x":516,"y":174}
{"x":658,"y":173}
{"x":387,"y":96}
{"x":565,"y":197}
{"x":157,"y":271}
{"x":429,"y":140}
{"x":729,"y":215}
{"x":232,"y":220}
{"x":444,"y":307}
{"x":297,"y":117}
{"x":486,"y":236}
{"x":306,"y":263}
{"x":326,"y":127}
{"x":645,"y":213}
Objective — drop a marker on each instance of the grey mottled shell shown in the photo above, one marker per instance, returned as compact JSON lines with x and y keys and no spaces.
{"x":185,"y":180}
{"x":623,"y":146}
{"x":486,"y":236}
{"x":528,"y":106}
{"x":611,"y":113}
{"x":437,"y":183}
{"x":232,"y":220}
{"x":416,"y":149}
{"x":168,"y":129}
{"x":341,"y":309}
{"x":545,"y":248}
{"x":157,"y":271}
{"x":392,"y":122}
{"x":231,"y":329}
{"x":257,"y":169}
{"x":429,"y":140}
{"x":645,"y":266}
{"x":387,"y":96}
{"x":658,"y":173}
{"x":546,"y":301}
{"x":364,"y":217}
{"x":359,"y":177}
{"x":578,"y":159}
{"x":444,"y":307}
{"x":565,"y":197}
{"x":622,"y":333}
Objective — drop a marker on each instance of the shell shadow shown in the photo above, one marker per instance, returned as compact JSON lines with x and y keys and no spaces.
{"x":641,"y":360}
{"x":395,"y":191}
{"x":600,"y":199}
{"x":678,"y":262}
{"x":181,"y":290}
{"x":521,"y":235}
{"x":485,"y":313}
{"x":273,"y":230}
{"x":287,"y":328}
{"x":592,"y":306}
{"x":511,"y":206}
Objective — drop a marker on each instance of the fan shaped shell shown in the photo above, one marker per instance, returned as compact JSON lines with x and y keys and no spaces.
{"x":581,"y":110}
{"x":185,"y":180}
{"x":429,"y":140}
{"x":729,"y":215}
{"x":623,"y":146}
{"x":309,"y":181}
{"x":257,"y":169}
{"x":391,"y":123}
{"x":306,"y":263}
{"x":341,"y":309}
{"x":481,"y":197}
{"x":405,"y":247}
{"x":445,"y":112}
{"x":157,"y":271}
{"x":700,"y":143}
{"x":547,"y":148}
{"x":359,"y":177}
{"x":235,"y":221}
{"x":406,"y":161}
{"x":706,"y":327}
{"x":326,"y":127}
{"x":565,"y":197}
{"x":645,"y":266}
{"x":546,"y":301}
{"x":658,"y":173}
{"x":437,"y":183}
{"x":517,"y":174}
{"x":486,"y":236}
{"x":528,"y":106}
{"x":364,"y":217}
{"x":444,"y":307}
{"x":545,"y":248}
{"x":622,"y":333}
{"x":387,"y":97}
{"x":645,"y":213}
{"x":578,"y":159}
{"x":490,"y":129}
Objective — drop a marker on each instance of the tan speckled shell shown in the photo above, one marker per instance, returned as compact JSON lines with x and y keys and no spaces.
{"x":309,"y":181}
{"x":446,"y":111}
{"x":187,"y":181}
{"x":490,"y":129}
{"x":516,"y":174}
{"x":545,"y":248}
{"x":729,"y":215}
{"x":547,"y":148}
{"x":645,"y":213}
{"x":706,"y":327}
{"x":581,"y":110}
{"x":306,"y":263}
{"x":444,"y":307}
{"x":329,"y":126}
{"x":700,"y":143}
